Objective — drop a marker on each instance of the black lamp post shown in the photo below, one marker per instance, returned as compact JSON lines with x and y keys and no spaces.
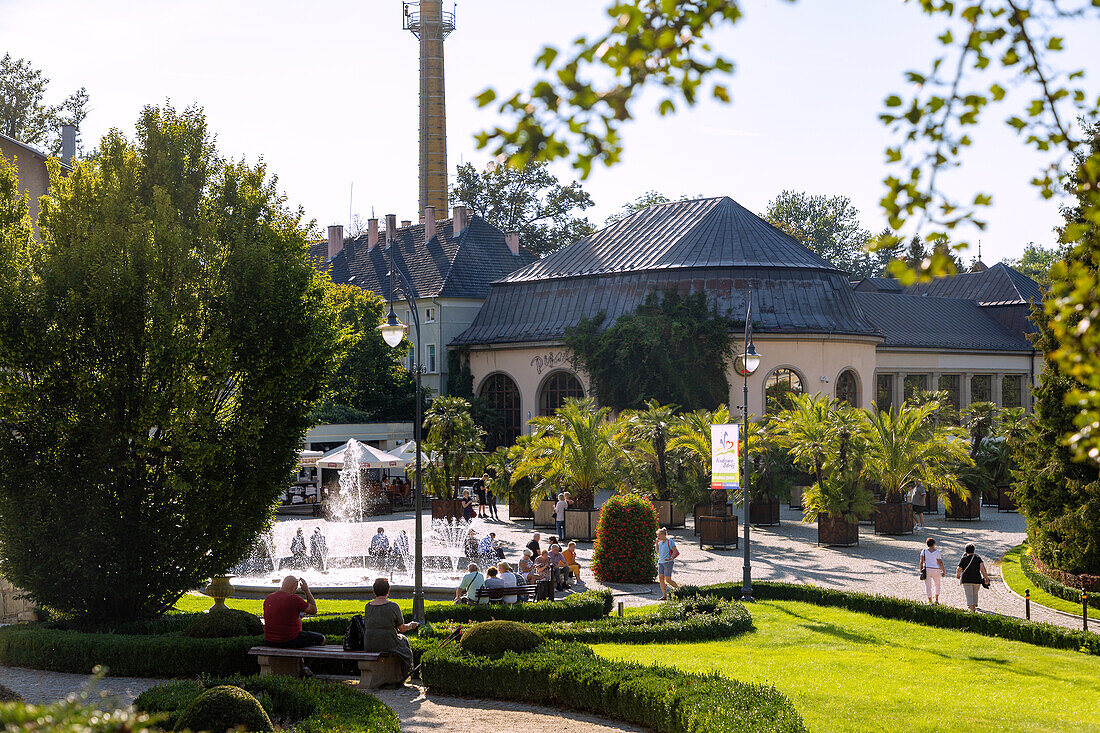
{"x":746,"y":363}
{"x":393,"y":331}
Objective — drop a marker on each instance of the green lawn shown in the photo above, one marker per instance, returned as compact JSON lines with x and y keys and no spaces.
{"x":1015,"y":579}
{"x":196,"y":602}
{"x":847,"y":671}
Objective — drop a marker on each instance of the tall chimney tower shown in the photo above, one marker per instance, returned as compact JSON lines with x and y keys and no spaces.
{"x":431,"y":26}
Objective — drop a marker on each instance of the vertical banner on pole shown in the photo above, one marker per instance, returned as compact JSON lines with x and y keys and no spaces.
{"x":725,"y":468}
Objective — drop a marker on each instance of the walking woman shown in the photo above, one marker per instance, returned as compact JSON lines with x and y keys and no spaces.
{"x":932,"y":570}
{"x":666,"y":555}
{"x":971,"y":573}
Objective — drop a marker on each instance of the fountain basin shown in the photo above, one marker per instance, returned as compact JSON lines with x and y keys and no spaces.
{"x":364,"y":592}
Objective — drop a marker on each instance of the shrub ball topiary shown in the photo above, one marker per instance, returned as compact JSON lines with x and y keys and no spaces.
{"x":223,"y":708}
{"x":225,"y":623}
{"x":624,"y":550}
{"x":496,"y":637}
{"x":9,"y":695}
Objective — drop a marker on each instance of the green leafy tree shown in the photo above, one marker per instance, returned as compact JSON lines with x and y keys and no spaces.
{"x":529,"y":200}
{"x":684,"y":345}
{"x":826,"y":225}
{"x":25,"y":116}
{"x":646,"y":434}
{"x":1036,"y":262}
{"x":371,"y":384}
{"x":160,"y":352}
{"x":572,"y":450}
{"x":649,"y":198}
{"x":452,"y":438}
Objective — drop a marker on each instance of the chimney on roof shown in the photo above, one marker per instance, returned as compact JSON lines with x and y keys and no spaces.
{"x":512,"y":240}
{"x":335,"y":239}
{"x":391,"y":228}
{"x":372,"y":234}
{"x":429,"y":223}
{"x":68,"y":144}
{"x":461,"y":220}
{"x":406,"y":223}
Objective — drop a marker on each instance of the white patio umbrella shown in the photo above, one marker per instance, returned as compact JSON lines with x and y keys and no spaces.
{"x":372,"y":458}
{"x":407,"y":452}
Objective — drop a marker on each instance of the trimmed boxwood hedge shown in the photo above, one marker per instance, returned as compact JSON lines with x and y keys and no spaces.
{"x":312,"y":706}
{"x":571,"y":676}
{"x":1050,"y":585}
{"x":945,"y":617}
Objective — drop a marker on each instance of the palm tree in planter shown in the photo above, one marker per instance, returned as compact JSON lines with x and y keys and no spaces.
{"x":909,"y":445}
{"x":1011,"y":429}
{"x":771,"y":473}
{"x":575,"y":449}
{"x":645,"y":435}
{"x":979,"y":419}
{"x":502,"y":466}
{"x":829,"y":442}
{"x":691,"y":442}
{"x":452,"y":437}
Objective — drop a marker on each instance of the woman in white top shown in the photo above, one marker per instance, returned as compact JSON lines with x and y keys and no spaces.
{"x":931,"y":565}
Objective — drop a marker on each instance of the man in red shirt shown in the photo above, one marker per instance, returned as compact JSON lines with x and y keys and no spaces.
{"x":283,"y":611}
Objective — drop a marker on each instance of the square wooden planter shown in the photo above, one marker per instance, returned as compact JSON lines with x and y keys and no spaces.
{"x":894,"y":517}
{"x":446,"y":509}
{"x":989,"y":498}
{"x":544,"y":514}
{"x":764,"y":513}
{"x":706,"y":509}
{"x":1006,"y":502}
{"x":668,"y":514}
{"x":519,"y":511}
{"x":580,"y":524}
{"x":836,"y":531}
{"x":795,"y":501}
{"x":931,"y":503}
{"x":717,"y":531}
{"x":969,"y":510}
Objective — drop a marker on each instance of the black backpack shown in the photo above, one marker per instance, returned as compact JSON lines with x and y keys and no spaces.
{"x":353,"y":637}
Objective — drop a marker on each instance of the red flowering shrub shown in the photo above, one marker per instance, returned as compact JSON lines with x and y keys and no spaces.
{"x":624,"y":550}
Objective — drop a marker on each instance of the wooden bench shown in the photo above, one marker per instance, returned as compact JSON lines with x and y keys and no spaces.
{"x":496,"y":595}
{"x":375,"y":669}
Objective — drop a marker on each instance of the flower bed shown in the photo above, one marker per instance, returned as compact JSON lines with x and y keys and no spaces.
{"x":625,"y":536}
{"x":1066,"y":586}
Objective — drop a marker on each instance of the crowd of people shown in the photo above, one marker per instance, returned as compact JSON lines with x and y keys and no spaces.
{"x":537,"y":564}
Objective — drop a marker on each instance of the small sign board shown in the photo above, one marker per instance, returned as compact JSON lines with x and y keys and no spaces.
{"x":725,"y":468}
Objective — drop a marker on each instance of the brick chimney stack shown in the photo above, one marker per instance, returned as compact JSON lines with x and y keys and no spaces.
{"x":429,"y":223}
{"x":372,"y":234}
{"x":335,"y":239}
{"x":391,"y":228}
{"x":461,"y":220}
{"x":512,"y":240}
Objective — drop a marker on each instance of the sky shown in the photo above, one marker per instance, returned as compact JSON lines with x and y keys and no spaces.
{"x":326,"y":93}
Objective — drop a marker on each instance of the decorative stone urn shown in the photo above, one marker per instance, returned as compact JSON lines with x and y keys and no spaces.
{"x":219,"y":589}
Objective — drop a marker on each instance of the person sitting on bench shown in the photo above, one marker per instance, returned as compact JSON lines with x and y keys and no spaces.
{"x":283,"y":612}
{"x":557,"y":566}
{"x":492,"y":581}
{"x":570,"y":555}
{"x":509,"y":580}
{"x":384,"y":627}
{"x":466,"y":592}
{"x":526,"y":565}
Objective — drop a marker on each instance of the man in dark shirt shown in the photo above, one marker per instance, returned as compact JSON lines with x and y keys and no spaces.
{"x":283,"y":612}
{"x":533,"y":545}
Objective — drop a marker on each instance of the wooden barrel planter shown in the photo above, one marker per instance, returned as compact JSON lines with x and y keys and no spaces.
{"x":668,"y":514}
{"x":836,"y":531}
{"x":580,"y":524}
{"x":717,"y":531}
{"x":446,"y":509}
{"x":795,"y":502}
{"x":519,"y":511}
{"x":706,"y":509}
{"x":765,"y":512}
{"x":544,"y":514}
{"x":968,"y":510}
{"x":894,"y":517}
{"x":1006,"y":502}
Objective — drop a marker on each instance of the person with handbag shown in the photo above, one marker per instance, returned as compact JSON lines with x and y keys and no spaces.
{"x":971,"y":573}
{"x":932,"y":570}
{"x":666,"y":555}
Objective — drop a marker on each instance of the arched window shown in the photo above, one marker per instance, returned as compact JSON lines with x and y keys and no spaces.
{"x":778,"y":386}
{"x":502,"y":396}
{"x":557,"y":388}
{"x":847,"y":388}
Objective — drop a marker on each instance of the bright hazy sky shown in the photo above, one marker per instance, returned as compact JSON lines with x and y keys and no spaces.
{"x":326,"y":92}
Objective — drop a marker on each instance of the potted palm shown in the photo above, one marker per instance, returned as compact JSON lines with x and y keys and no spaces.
{"x":979,"y":419}
{"x":452,"y":437}
{"x":645,"y":435}
{"x":771,"y":475}
{"x":828,"y":441}
{"x":906,"y":446}
{"x":1010,"y":432}
{"x":691,"y":442}
{"x":501,"y":468}
{"x":572,"y":449}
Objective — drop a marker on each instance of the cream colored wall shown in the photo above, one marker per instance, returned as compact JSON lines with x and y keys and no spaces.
{"x":31,"y":169}
{"x":966,"y":364}
{"x":528,"y":366}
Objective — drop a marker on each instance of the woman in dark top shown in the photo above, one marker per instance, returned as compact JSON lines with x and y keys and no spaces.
{"x":467,"y":505}
{"x":384,"y":626}
{"x":971,"y":573}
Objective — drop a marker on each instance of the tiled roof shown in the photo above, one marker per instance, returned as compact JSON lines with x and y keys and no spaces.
{"x":445,"y":266}
{"x":714,"y":232}
{"x":711,"y":245}
{"x":998,"y":285}
{"x":944,"y":323}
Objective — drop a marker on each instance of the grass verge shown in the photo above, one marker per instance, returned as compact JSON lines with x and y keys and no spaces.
{"x":1014,"y":578}
{"x":848,"y":671}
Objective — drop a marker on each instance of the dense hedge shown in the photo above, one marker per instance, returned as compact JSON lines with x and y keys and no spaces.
{"x":1060,"y":590}
{"x":310,"y":706}
{"x":937,"y":615}
{"x":624,"y":550}
{"x":222,"y":708}
{"x":570,"y":675}
{"x":497,"y":637}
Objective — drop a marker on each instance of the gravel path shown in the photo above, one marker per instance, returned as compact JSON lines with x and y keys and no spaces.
{"x":41,"y":687}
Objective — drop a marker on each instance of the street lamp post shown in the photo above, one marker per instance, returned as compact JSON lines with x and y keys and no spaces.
{"x":747,"y":362}
{"x":393,"y":331}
